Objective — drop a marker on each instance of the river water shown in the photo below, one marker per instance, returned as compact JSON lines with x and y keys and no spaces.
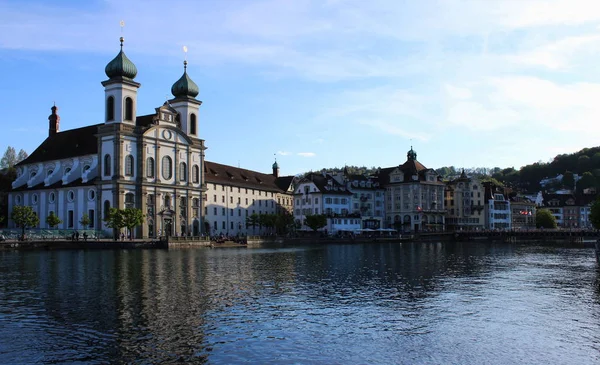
{"x":409,"y":303}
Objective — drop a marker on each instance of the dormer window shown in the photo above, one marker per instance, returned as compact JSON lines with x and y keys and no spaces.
{"x":50,"y":172}
{"x":32,"y":174}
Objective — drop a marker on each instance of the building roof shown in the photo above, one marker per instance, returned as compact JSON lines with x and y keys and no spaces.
{"x":67,"y":144}
{"x":57,"y":185}
{"x":229,"y":175}
{"x":327,"y":184}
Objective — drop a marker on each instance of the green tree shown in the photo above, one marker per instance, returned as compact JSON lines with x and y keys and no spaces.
{"x":595,"y":213}
{"x":52,"y":220}
{"x":587,"y":181}
{"x":9,"y":159}
{"x":21,"y":156}
{"x":24,"y":217}
{"x":114,"y":220}
{"x":315,"y":221}
{"x":131,"y":218}
{"x":544,"y":219}
{"x":252,"y":221}
{"x":85,"y":220}
{"x":584,"y":163}
{"x":284,"y":222}
{"x":568,"y":180}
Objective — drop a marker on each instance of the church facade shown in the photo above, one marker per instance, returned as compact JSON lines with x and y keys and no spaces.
{"x":153,"y":162}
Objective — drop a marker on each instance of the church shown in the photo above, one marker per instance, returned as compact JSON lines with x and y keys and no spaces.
{"x":153,"y":162}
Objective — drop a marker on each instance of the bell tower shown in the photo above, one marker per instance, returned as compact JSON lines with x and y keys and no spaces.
{"x":120,"y":90}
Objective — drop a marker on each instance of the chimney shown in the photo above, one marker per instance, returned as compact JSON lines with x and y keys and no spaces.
{"x":54,"y":121}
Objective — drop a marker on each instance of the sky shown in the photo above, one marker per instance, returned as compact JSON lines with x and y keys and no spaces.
{"x":321,"y":83}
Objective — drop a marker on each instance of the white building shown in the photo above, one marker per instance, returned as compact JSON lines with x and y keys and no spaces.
{"x":322,"y":194}
{"x":152,"y":162}
{"x":464,"y":203}
{"x":497,"y":209}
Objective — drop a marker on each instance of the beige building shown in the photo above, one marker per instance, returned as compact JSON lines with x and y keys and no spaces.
{"x":464,"y":203}
{"x":414,"y":196}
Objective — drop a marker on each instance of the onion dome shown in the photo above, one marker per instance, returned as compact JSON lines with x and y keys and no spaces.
{"x":185,"y":87}
{"x":411,"y":155}
{"x":275,"y":165}
{"x":121,"y":66}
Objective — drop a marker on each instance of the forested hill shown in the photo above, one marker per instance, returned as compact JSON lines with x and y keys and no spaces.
{"x":585,"y":163}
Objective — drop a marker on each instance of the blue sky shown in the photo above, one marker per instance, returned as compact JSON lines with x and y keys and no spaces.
{"x":321,"y":83}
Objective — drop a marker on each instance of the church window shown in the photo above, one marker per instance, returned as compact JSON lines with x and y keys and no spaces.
{"x":128,"y":109}
{"x":129,"y":165}
{"x":196,"y":173}
{"x":71,"y":195}
{"x":52,"y":197}
{"x":129,"y":200}
{"x":167,"y":167}
{"x":18,"y":199}
{"x":91,"y":194}
{"x":193,"y":124}
{"x":149,"y":167}
{"x":106,"y":208}
{"x":92,"y":216}
{"x":178,"y":119}
{"x":182,"y":171}
{"x":34,"y":198}
{"x":168,"y":201}
{"x":70,"y":219}
{"x":110,"y":108}
{"x":106,"y":165}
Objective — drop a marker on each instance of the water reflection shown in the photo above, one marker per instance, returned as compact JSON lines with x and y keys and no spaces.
{"x":344,"y":303}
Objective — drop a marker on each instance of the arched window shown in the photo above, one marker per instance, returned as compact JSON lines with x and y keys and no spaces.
{"x":167,"y":167}
{"x":196,"y":174}
{"x":178,"y":120}
{"x":110,"y":108}
{"x":182,"y":171}
{"x":128,"y":108}
{"x":193,"y":124}
{"x":106,"y":208}
{"x":149,"y":167}
{"x":129,"y":165}
{"x":168,"y":201}
{"x":107,"y":165}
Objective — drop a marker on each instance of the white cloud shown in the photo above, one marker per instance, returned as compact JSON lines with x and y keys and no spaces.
{"x":306,"y":154}
{"x":283,"y":153}
{"x":457,"y":92}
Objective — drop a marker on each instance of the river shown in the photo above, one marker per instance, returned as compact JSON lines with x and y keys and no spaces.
{"x":380,"y":303}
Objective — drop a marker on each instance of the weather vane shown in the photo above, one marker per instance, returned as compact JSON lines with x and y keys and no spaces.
{"x":122,"y":24}
{"x":185,"y":49}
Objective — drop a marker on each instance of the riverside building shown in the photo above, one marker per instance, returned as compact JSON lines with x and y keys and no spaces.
{"x":153,"y":162}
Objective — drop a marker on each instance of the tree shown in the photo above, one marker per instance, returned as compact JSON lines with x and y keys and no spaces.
{"x":22,"y":155}
{"x":315,"y":221}
{"x":131,"y":218}
{"x":568,"y":180}
{"x":85,"y":220}
{"x":595,"y":213}
{"x":583,"y":164}
{"x":52,"y":220}
{"x":284,"y":222}
{"x":587,"y":181}
{"x":9,"y":159}
{"x":114,"y":220}
{"x":252,"y":221}
{"x":544,"y":219}
{"x":24,"y":217}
